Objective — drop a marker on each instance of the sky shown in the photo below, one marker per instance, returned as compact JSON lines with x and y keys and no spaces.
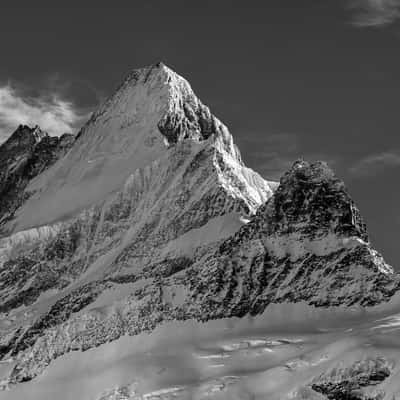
{"x":291,"y":78}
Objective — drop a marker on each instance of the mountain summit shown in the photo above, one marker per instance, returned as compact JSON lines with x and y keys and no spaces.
{"x":151,"y":220}
{"x":153,"y":109}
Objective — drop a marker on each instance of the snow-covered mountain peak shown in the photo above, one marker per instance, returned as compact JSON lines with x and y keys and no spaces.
{"x":161,"y":91}
{"x":149,"y":220}
{"x":152,"y":111}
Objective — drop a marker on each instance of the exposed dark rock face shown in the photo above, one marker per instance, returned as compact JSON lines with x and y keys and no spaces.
{"x":191,"y":233}
{"x":26,"y":154}
{"x":55,"y":265}
{"x":311,"y":199}
{"x":309,"y":228}
{"x":330,"y":266}
{"x":353,"y":382}
{"x":193,"y":121}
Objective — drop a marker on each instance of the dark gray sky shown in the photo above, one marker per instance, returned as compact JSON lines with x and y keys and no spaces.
{"x":291,"y":78}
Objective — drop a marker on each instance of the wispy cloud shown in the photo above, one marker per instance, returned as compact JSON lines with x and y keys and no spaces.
{"x":53,"y":113}
{"x":273,"y":154}
{"x":374,"y":13}
{"x":375,"y":164}
{"x":268,"y":154}
{"x":271,"y":165}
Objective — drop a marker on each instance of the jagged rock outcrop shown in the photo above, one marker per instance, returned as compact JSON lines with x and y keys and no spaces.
{"x":355,"y":382}
{"x":130,"y":131}
{"x":178,"y":202}
{"x":359,"y":380}
{"x":243,"y":275}
{"x":23,"y":156}
{"x":315,"y":243}
{"x":313,"y":202}
{"x":153,"y":217}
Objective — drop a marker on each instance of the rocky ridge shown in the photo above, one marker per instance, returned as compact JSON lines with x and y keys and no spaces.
{"x":355,"y":381}
{"x":190,"y":233}
{"x":24,"y":155}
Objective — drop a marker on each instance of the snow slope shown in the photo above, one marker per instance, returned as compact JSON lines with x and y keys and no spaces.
{"x":226,"y":359}
{"x":122,"y":137}
{"x":151,"y":223}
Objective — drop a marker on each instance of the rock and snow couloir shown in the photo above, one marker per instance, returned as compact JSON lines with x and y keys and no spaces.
{"x":26,"y":154}
{"x":152,"y":217}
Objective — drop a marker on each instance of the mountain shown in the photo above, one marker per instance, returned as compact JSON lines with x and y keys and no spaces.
{"x":25,"y":155}
{"x":144,"y":248}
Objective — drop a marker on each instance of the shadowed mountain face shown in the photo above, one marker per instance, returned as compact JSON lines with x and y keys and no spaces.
{"x":26,"y":154}
{"x":152,"y":218}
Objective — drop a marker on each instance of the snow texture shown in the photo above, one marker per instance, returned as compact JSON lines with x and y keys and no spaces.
{"x":148,"y":262}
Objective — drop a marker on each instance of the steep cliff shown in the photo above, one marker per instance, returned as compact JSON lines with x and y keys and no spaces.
{"x":152,"y":218}
{"x":26,"y":154}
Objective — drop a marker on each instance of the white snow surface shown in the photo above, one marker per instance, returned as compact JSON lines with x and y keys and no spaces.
{"x":121,"y":161}
{"x":274,"y":356}
{"x":120,"y":138}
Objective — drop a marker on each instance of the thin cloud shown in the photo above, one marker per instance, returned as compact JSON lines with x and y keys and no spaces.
{"x":271,"y":165}
{"x":273,"y":154}
{"x":375,"y":164}
{"x":51,"y":112}
{"x":374,"y":13}
{"x":269,"y":154}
